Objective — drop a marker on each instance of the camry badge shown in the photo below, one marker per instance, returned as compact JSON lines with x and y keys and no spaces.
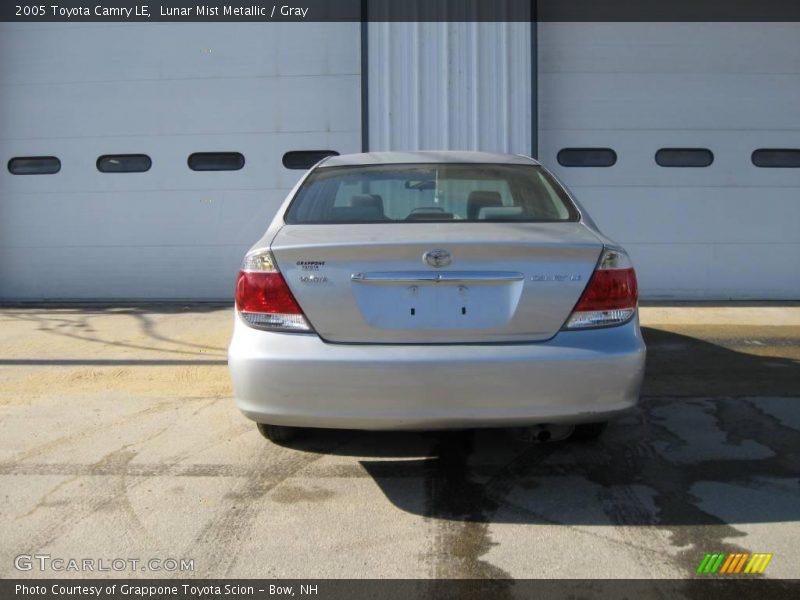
{"x":437,"y":258}
{"x":313,"y":279}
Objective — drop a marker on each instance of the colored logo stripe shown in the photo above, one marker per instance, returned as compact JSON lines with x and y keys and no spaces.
{"x":734,"y":563}
{"x":758,"y":563}
{"x":727,"y":564}
{"x":737,"y":563}
{"x":711,"y":563}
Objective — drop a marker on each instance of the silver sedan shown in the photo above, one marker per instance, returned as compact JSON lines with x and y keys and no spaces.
{"x":432,"y":290}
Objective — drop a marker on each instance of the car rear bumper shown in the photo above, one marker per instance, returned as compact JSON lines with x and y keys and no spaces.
{"x":299,"y":380}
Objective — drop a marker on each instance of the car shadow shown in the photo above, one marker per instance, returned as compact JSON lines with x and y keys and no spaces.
{"x":715,"y":442}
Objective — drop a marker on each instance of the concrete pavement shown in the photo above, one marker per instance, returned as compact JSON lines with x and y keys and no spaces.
{"x":118,"y":438}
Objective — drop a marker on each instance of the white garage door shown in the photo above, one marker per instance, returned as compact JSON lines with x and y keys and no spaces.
{"x":727,"y":230}
{"x":77,"y":92}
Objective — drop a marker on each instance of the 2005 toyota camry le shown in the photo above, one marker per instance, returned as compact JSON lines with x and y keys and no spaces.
{"x":434,"y":290}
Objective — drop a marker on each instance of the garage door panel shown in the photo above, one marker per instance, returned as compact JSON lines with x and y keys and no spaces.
{"x":304,"y":106}
{"x":701,"y":47}
{"x":662,"y":215}
{"x":70,"y":53}
{"x":148,"y":272}
{"x":735,"y":271}
{"x":333,"y":50}
{"x":669,"y":100}
{"x":263,"y":154}
{"x":121,"y":218}
{"x":165,"y":90}
{"x":91,"y":52}
{"x":636,"y":149}
{"x":313,"y":103}
{"x":717,"y":232}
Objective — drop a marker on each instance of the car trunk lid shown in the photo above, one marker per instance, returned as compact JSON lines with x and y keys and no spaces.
{"x":370,"y":283}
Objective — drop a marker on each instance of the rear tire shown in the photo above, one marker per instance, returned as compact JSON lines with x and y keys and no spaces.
{"x":278,"y":434}
{"x":586,"y":432}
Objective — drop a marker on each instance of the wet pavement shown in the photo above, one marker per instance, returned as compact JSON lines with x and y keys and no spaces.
{"x":118,"y":438}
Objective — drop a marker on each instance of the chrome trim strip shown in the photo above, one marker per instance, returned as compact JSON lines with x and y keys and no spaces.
{"x":446,"y":278}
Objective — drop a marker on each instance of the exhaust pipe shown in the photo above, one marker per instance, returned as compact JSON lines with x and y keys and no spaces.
{"x":545,"y":432}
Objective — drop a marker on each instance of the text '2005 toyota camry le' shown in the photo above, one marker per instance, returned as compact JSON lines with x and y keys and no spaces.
{"x":433,"y":290}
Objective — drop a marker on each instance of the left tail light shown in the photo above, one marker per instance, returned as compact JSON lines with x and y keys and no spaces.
{"x":263,"y":299}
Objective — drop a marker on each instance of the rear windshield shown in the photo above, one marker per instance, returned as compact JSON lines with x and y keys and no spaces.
{"x":430,"y":192}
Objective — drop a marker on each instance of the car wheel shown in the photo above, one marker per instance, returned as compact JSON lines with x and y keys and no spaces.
{"x":589,"y":431}
{"x":278,"y":433}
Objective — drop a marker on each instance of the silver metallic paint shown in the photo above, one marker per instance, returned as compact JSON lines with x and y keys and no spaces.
{"x":563,"y":377}
{"x":300,"y":380}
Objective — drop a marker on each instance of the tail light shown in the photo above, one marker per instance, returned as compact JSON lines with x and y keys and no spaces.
{"x":263,"y":299}
{"x":610,"y":296}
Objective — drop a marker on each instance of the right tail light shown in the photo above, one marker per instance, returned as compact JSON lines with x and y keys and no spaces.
{"x":610,"y":296}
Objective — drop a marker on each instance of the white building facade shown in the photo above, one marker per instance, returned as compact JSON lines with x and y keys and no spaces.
{"x":141,"y":160}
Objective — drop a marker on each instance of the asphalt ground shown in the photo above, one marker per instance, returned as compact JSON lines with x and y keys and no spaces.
{"x":119,"y":438}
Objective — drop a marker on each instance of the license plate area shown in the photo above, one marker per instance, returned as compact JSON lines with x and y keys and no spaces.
{"x":455,"y":303}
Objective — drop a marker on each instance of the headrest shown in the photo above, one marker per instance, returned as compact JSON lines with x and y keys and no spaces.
{"x":480,"y":199}
{"x":367,"y":201}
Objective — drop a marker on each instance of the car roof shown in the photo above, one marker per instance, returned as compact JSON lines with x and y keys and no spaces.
{"x":424,"y":157}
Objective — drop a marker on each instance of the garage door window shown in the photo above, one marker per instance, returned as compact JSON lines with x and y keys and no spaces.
{"x":305,"y":159}
{"x":684,"y":157}
{"x":216,"y":161}
{"x":34,"y":165}
{"x":587,"y":157}
{"x":124,"y":163}
{"x":776,"y":158}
